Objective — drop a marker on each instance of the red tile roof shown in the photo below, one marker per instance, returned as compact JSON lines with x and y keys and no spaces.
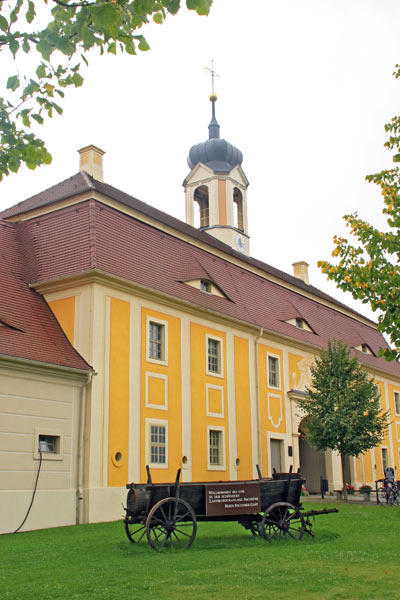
{"x":91,"y":235}
{"x":82,"y":182}
{"x":30,"y":330}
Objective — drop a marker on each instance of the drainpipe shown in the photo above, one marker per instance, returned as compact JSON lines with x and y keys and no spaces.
{"x":81,"y":451}
{"x":259,"y":440}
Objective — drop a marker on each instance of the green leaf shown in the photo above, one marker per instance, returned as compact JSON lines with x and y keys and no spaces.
{"x":106,"y":15}
{"x":77,"y":79}
{"x":45,"y":48}
{"x":30,"y":13}
{"x":112,"y":48}
{"x":3,"y":23}
{"x":202,"y":7}
{"x":37,"y":118}
{"x":57,"y":108}
{"x":13,"y":46}
{"x":143,"y":45}
{"x":41,"y":71}
{"x":173,"y":6}
{"x":13,"y":83}
{"x":158,"y":18}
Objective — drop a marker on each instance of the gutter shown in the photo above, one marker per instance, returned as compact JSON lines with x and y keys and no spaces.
{"x":81,"y":442}
{"x":258,"y":402}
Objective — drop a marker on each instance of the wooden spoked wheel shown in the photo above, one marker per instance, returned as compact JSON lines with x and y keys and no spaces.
{"x":135,"y":531}
{"x":282,"y":520}
{"x":172,"y":524}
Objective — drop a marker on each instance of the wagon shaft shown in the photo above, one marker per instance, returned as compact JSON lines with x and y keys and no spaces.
{"x":324,"y":511}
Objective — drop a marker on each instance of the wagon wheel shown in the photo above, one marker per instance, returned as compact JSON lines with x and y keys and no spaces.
{"x":171,"y":523}
{"x":282,"y":520}
{"x":135,"y":531}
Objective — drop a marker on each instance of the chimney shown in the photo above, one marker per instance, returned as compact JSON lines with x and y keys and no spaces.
{"x":91,"y":161}
{"x":300,"y":270}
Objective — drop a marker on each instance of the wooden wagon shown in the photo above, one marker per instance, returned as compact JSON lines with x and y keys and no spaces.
{"x":167,"y":513}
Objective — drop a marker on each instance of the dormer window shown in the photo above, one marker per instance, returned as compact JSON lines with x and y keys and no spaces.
{"x":205,"y":286}
{"x":300,"y":323}
{"x":365,"y":349}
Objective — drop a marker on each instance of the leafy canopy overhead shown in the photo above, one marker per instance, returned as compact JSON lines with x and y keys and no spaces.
{"x":343,"y":404}
{"x":61,"y":47}
{"x":370,"y":268}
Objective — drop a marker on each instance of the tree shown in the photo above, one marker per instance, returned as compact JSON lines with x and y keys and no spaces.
{"x":343,"y":406}
{"x":61,"y":47}
{"x":370,"y":270}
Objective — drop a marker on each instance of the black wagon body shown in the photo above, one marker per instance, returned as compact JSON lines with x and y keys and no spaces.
{"x":167,"y":513}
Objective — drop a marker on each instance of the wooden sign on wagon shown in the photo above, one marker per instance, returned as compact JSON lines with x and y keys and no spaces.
{"x":224,"y":499}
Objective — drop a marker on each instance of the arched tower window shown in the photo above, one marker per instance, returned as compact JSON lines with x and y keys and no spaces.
{"x":238,"y":209}
{"x":201,"y":208}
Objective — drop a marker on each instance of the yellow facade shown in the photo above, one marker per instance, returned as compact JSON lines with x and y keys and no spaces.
{"x":64,"y":311}
{"x":118,"y":411}
{"x":243,"y":408}
{"x":247,"y":406}
{"x":161,"y":396}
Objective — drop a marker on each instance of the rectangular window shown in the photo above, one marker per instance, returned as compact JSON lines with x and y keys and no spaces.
{"x":385,"y":458}
{"x":299,"y":323}
{"x":215,"y":447}
{"x":158,"y":444}
{"x":214,"y":356}
{"x":49,"y":443}
{"x":205,"y":286}
{"x":273,"y":372}
{"x":397,"y":403}
{"x":156,"y":341}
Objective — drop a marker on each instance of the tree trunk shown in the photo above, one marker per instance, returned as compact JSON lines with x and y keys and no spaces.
{"x":345,"y":498}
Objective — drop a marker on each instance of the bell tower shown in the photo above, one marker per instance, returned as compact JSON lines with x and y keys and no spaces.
{"x":216,"y":189}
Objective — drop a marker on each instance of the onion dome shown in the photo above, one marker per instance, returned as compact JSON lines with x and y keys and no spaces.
{"x":216,"y":153}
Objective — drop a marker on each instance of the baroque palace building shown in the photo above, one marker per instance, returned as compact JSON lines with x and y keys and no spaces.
{"x":130,"y":338}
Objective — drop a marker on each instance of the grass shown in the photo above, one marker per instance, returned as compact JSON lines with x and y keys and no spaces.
{"x":355,"y":554}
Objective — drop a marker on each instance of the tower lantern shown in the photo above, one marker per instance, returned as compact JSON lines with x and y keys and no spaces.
{"x":216,"y":188}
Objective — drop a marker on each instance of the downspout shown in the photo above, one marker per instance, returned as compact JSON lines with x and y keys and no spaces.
{"x":259,"y":440}
{"x":81,"y":452}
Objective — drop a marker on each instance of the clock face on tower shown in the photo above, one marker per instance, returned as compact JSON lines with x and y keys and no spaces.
{"x":240,"y":243}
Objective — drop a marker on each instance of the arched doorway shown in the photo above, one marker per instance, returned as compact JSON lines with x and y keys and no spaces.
{"x":312,"y":461}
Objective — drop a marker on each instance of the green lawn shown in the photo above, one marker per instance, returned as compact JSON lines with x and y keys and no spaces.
{"x":355,"y":554}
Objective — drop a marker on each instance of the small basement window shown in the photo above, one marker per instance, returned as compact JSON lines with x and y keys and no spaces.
{"x":49,"y":444}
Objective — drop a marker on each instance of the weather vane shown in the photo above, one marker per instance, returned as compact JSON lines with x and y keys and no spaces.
{"x":212,"y":73}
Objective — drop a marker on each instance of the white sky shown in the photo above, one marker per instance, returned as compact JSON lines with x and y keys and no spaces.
{"x":304,"y":91}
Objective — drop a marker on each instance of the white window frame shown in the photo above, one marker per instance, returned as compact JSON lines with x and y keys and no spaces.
{"x":164,"y":341}
{"x":148,"y":404}
{"x":158,"y":423}
{"x":59,"y":455}
{"x":397,"y":412}
{"x":276,"y":356}
{"x":222,"y":466}
{"x":215,"y":338}
{"x":211,"y":386}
